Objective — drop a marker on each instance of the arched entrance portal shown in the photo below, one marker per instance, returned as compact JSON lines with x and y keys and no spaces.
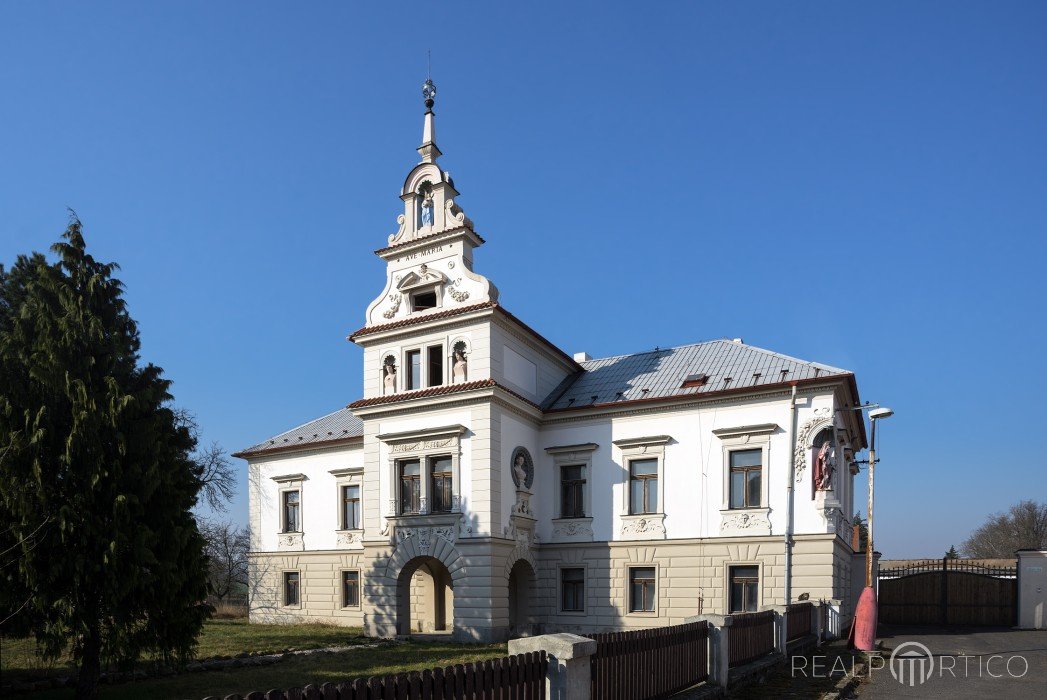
{"x":424,"y":597}
{"x":521,"y":604}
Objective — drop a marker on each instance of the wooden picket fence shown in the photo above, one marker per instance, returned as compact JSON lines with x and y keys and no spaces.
{"x":520,"y":677}
{"x":751,"y":636}
{"x":798,"y":620}
{"x":652,"y":663}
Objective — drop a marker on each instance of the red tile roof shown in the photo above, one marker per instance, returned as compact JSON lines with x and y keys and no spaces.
{"x":368,"y":330}
{"x":423,"y":393}
{"x":438,"y":391}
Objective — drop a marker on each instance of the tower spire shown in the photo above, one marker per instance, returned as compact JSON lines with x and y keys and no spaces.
{"x":428,"y":150}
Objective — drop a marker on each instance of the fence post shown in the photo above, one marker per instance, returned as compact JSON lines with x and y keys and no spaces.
{"x":719,"y":646}
{"x":781,"y":640}
{"x":570,"y":673}
{"x":816,"y":621}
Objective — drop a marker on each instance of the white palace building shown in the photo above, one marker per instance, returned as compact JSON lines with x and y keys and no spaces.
{"x":489,"y":485}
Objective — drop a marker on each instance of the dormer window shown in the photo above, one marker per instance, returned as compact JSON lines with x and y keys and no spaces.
{"x":421,"y":301}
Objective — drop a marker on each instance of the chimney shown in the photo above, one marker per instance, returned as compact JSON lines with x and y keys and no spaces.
{"x":582,"y":357}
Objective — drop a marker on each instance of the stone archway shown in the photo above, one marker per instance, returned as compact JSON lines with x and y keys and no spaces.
{"x":522,"y":582}
{"x":421,"y":576}
{"x":424,"y":597}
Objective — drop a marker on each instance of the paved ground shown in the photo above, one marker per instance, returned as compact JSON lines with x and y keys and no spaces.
{"x":974,"y":662}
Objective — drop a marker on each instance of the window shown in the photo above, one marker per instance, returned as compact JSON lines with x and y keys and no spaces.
{"x":291,"y":588}
{"x":414,"y":369}
{"x":572,"y":590}
{"x":745,"y":588}
{"x":643,"y":486}
{"x":410,"y":486}
{"x":440,"y":484}
{"x":350,"y":589}
{"x":420,"y":301}
{"x":351,"y":507}
{"x":641,"y":589}
{"x":436,"y":365}
{"x":292,"y":511}
{"x":572,"y":491}
{"x":746,"y":473}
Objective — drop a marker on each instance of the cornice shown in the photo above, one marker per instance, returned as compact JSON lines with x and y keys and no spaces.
{"x":423,"y":434}
{"x":761,"y":429}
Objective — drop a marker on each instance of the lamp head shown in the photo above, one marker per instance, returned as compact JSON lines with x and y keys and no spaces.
{"x":882,"y":412}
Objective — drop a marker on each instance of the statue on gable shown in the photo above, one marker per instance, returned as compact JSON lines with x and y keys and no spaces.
{"x":426,"y":191}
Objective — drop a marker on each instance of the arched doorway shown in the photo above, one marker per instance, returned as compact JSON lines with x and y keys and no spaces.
{"x":521,"y":603}
{"x":424,"y":597}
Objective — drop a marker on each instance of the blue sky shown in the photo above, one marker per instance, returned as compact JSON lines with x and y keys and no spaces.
{"x":859,"y":184}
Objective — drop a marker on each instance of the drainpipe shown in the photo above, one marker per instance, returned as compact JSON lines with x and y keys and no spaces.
{"x":789,"y":513}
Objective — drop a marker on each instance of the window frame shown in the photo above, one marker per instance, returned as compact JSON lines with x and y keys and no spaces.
{"x":561,"y":590}
{"x":573,"y":529}
{"x":357,"y":508}
{"x":342,"y":589}
{"x":645,"y":479}
{"x":421,"y":444}
{"x":744,"y":470}
{"x":749,"y":437}
{"x":431,"y":475}
{"x":729,"y":567}
{"x":408,"y":381}
{"x":417,"y":480}
{"x":284,"y":581}
{"x":578,"y":485}
{"x":655,"y":581}
{"x":413,"y":295}
{"x":439,"y":355}
{"x":641,"y":526}
{"x":300,"y":511}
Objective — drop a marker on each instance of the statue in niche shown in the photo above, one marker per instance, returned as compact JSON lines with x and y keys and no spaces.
{"x":523,"y":469}
{"x":824,"y":466}
{"x":389,"y":375}
{"x":459,"y":365}
{"x":426,"y":191}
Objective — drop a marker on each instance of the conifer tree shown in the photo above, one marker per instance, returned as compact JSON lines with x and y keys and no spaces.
{"x":97,"y":481}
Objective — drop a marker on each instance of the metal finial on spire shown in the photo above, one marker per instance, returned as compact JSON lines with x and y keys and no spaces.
{"x":429,"y":92}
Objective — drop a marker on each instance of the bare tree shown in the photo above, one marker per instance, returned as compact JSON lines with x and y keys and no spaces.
{"x":216,"y":472}
{"x":1023,"y":526}
{"x":227,"y":547}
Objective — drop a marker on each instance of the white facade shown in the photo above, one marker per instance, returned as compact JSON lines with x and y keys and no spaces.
{"x":626,"y":465}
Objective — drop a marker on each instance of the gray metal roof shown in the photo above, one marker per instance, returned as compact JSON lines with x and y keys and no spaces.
{"x":661,"y":373}
{"x":339,"y":425}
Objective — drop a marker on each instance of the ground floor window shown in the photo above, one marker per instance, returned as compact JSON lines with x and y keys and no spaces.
{"x":292,"y":586}
{"x":745,"y":589}
{"x":641,"y":589}
{"x":572,"y":590}
{"x":350,"y":589}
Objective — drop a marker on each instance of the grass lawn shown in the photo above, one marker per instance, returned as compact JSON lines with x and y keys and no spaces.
{"x":297,"y":671}
{"x":227,"y":637}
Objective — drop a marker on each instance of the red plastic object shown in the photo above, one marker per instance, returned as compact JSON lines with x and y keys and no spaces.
{"x":865,"y":621}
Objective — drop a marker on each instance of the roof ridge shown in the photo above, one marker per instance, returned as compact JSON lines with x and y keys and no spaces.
{"x":647,"y":352}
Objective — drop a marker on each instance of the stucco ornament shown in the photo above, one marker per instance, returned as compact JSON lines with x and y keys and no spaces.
{"x":745,"y":524}
{"x":523,"y":468}
{"x":572,"y":528}
{"x":643,"y":526}
{"x":822,"y":418}
{"x":391,"y":311}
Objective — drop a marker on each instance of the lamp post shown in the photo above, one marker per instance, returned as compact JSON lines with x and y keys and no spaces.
{"x":866,"y":613}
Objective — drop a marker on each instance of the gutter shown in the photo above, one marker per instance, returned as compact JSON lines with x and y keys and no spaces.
{"x":790,"y":492}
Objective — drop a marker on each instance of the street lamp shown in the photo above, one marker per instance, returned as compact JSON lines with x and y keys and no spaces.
{"x":865,"y":615}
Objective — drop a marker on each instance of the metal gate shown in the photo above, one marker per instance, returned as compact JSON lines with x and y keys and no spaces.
{"x":949,"y":592}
